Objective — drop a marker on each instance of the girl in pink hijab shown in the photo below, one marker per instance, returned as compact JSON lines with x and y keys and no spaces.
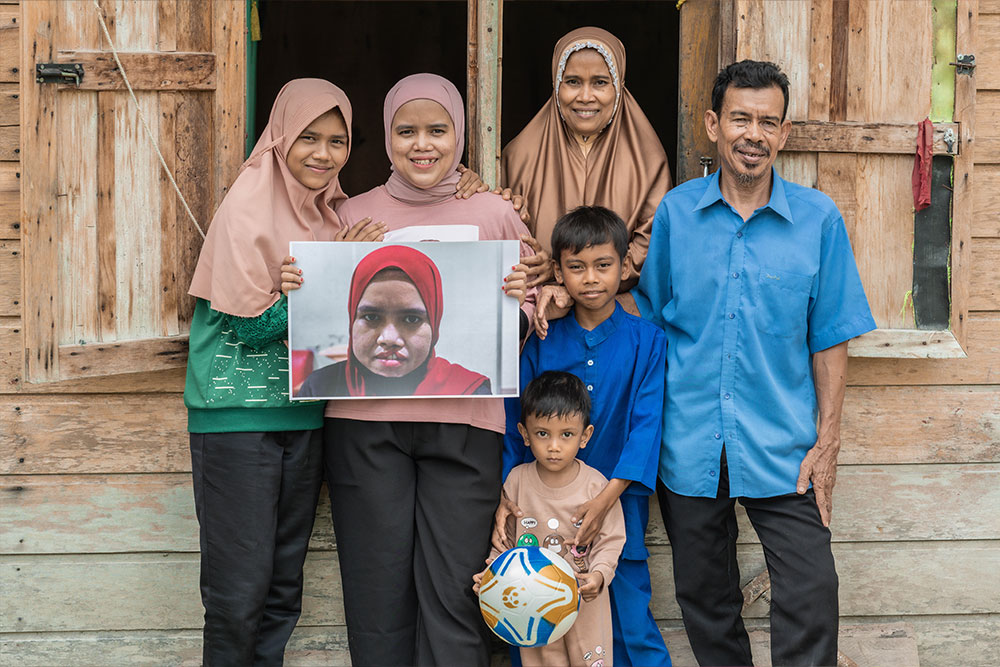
{"x":414,"y":482}
{"x":257,"y":457}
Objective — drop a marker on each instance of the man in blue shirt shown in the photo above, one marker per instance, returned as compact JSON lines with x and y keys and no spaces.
{"x":753,"y":281}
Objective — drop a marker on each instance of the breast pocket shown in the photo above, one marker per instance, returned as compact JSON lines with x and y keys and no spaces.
{"x":782,"y":302}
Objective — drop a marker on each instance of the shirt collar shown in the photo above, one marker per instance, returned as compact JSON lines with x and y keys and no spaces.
{"x":777,"y":203}
{"x":602,"y":331}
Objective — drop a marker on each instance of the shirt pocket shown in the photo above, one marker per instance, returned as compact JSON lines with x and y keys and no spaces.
{"x":782,"y":302}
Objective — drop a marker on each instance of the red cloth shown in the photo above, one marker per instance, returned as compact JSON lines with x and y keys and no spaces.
{"x":442,"y":378}
{"x":921,"y":179}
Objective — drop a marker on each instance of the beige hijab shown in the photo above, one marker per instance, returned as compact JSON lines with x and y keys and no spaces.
{"x":239,"y":268}
{"x":626,"y":170}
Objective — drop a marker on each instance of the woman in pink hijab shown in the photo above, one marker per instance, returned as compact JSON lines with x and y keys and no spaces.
{"x":414,"y":482}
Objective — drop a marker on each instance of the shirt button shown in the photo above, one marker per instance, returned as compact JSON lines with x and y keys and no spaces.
{"x":711,"y":473}
{"x":726,"y":397}
{"x":590,"y":387}
{"x":736,"y":275}
{"x":739,"y":235}
{"x":732,"y":316}
{"x":718,"y":436}
{"x":729,"y":356}
{"x":590,"y":362}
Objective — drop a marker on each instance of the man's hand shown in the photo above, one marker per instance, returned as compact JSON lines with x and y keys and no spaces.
{"x":540,"y":270}
{"x":590,"y":515}
{"x":516,"y":200}
{"x":820,"y":467}
{"x":503,"y":535}
{"x":590,"y":584}
{"x":553,"y":302}
{"x":469,"y":183}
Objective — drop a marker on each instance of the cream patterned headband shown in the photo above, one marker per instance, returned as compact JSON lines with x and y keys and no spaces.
{"x":600,"y":48}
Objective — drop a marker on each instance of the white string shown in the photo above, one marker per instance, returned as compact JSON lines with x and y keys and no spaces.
{"x":142,"y":119}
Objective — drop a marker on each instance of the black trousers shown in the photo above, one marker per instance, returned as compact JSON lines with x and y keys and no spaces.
{"x":255,"y":495}
{"x":804,"y":607}
{"x":413,"y":506}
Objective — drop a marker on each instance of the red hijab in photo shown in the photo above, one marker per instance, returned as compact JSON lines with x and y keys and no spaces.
{"x":441,"y":378}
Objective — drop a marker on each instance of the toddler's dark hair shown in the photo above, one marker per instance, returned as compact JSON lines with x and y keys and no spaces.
{"x":585,"y":226}
{"x":555,"y":394}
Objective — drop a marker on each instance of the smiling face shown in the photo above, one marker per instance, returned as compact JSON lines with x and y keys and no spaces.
{"x":591,"y":275}
{"x":555,"y":441}
{"x":320,"y":151}
{"x":423,"y":142}
{"x":749,"y":132}
{"x":391,"y":334}
{"x":586,"y":93}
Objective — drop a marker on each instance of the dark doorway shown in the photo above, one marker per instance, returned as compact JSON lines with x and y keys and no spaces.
{"x":648,"y":29}
{"x":365,"y":48}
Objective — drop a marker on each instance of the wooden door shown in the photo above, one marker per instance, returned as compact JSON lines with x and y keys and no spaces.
{"x":862,"y":75}
{"x":108,"y":245}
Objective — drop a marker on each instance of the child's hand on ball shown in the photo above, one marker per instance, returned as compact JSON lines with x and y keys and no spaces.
{"x":590,"y":584}
{"x":478,"y":578}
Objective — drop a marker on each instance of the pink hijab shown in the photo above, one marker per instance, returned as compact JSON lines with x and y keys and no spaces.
{"x":444,"y":92}
{"x":239,"y":268}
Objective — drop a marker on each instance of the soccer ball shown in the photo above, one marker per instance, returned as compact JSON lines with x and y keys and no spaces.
{"x":528,"y":596}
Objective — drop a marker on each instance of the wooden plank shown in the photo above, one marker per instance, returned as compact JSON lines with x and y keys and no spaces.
{"x":11,"y":357}
{"x":987,"y":120}
{"x":10,"y":104}
{"x":906,"y":424}
{"x":160,"y":591}
{"x":146,"y":71}
{"x":58,"y":514}
{"x":10,"y":142}
{"x":988,"y":52}
{"x":839,"y":60}
{"x":228,"y":34}
{"x":797,"y":167}
{"x":836,"y":176}
{"x":39,"y":232}
{"x":982,"y":366}
{"x":10,"y":44}
{"x":171,"y":279}
{"x":698,"y":64}
{"x":989,"y":7}
{"x":10,"y":200}
{"x":986,"y":201}
{"x":485,"y":133}
{"x":130,"y":356}
{"x":81,"y":433}
{"x":166,"y":25}
{"x":984,"y":279}
{"x":821,"y":27}
{"x":107,"y":246}
{"x":166,"y":381}
{"x":907,"y":344}
{"x":10,"y":278}
{"x":779,"y":32}
{"x":845,"y":137}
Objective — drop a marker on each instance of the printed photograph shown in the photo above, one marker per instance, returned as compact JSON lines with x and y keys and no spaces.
{"x":403,"y":320}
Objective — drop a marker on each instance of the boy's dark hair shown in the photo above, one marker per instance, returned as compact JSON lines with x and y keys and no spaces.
{"x":555,"y":394}
{"x":755,"y":74}
{"x":585,"y":226}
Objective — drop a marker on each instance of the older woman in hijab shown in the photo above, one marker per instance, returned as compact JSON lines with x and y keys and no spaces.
{"x":590,"y":144}
{"x":414,"y":482}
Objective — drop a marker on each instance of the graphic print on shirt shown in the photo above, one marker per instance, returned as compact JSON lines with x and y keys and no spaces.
{"x":527,"y":540}
{"x":554,"y":543}
{"x":260,"y":377}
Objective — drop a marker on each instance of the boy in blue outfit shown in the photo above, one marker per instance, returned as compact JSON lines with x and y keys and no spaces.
{"x":621,"y":360}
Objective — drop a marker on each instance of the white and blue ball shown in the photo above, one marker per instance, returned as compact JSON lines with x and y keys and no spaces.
{"x":528,"y":596}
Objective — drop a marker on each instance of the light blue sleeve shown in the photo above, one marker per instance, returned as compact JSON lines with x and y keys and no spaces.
{"x":655,"y":290}
{"x":838,"y":308}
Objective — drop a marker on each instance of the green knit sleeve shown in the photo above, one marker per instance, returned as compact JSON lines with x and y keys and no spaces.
{"x":269,"y":326}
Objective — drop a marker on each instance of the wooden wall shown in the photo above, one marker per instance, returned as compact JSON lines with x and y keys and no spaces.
{"x":98,"y":539}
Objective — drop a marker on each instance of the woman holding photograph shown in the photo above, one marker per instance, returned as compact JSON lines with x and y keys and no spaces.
{"x":414,"y":482}
{"x":395,"y":306}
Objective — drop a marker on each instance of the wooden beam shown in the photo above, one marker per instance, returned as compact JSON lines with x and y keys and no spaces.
{"x":10,"y":42}
{"x":485,"y":134}
{"x":699,"y":52}
{"x":847,"y":137}
{"x":907,"y":344}
{"x":131,"y":356}
{"x":962,"y":176}
{"x":228,"y":33}
{"x":146,"y":71}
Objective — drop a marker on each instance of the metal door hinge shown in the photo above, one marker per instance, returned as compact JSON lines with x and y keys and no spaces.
{"x":965,"y":65}
{"x":59,"y":73}
{"x":949,"y":139}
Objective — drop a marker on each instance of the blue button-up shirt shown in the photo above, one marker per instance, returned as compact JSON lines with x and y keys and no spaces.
{"x":744,"y":305}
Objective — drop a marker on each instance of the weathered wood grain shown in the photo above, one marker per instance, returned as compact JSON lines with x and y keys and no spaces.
{"x":107,"y":244}
{"x":58,"y":514}
{"x":963,"y":181}
{"x":171,"y":279}
{"x":821,"y":31}
{"x":984,"y":287}
{"x":789,"y":47}
{"x":982,"y":366}
{"x":10,"y":104}
{"x":886,"y":425}
{"x":986,"y":201}
{"x":163,"y":382}
{"x":10,"y":200}
{"x":844,"y":137}
{"x":797,"y":167}
{"x":10,"y":278}
{"x":698,"y":41}
{"x":160,"y":591}
{"x":907,"y":344}
{"x":228,"y":24}
{"x":10,"y":142}
{"x":146,"y":71}
{"x":131,"y":356}
{"x":11,"y":356}
{"x":94,"y":434}
{"x":10,"y":43}
{"x":987,"y":120}
{"x":988,"y":52}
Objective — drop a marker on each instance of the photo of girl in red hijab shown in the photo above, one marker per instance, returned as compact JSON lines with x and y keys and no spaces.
{"x":395,"y":305}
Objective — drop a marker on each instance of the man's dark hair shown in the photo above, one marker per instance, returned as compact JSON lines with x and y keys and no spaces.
{"x":585,"y":226}
{"x":755,"y":74}
{"x":555,"y":394}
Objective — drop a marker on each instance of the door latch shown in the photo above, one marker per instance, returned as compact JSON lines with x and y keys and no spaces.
{"x":949,"y":139}
{"x":59,"y":73}
{"x":965,"y":65}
